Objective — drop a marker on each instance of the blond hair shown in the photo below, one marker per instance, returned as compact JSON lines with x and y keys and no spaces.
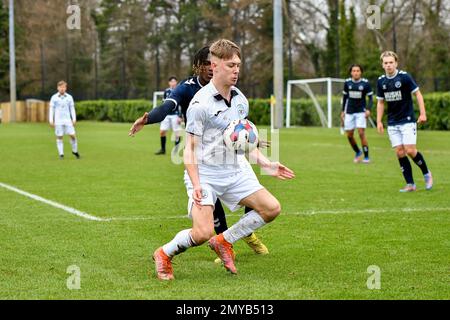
{"x":225,"y":49}
{"x":389,"y":54}
{"x":62,"y":82}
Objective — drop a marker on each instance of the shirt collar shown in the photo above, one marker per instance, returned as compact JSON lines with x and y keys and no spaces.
{"x":395,"y":74}
{"x":199,"y":82}
{"x":219,"y":97}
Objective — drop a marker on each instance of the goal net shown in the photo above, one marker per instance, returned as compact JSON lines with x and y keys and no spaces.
{"x":312,"y":102}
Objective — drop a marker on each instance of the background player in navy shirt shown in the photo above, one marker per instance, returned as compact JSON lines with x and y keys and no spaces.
{"x":180,"y":98}
{"x":355,"y":111}
{"x":396,"y":88}
{"x":172,"y":121}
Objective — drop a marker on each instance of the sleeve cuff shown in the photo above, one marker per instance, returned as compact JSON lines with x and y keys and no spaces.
{"x":415,"y":90}
{"x":380,"y":98}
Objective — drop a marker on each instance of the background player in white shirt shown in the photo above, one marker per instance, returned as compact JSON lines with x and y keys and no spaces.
{"x":62,"y":117}
{"x":214,"y":171}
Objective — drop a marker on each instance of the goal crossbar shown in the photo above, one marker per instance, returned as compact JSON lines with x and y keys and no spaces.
{"x":304,"y":85}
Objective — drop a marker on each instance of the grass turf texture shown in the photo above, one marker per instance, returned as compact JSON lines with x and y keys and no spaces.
{"x":337,"y":219}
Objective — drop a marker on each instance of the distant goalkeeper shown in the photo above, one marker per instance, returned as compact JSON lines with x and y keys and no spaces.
{"x":355,"y":111}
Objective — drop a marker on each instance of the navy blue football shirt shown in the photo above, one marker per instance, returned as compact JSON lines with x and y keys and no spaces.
{"x":397,"y":92}
{"x":355,"y":93}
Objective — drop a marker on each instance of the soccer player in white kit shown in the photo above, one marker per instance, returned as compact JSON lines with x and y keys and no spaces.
{"x":62,"y":117}
{"x":213,"y":171}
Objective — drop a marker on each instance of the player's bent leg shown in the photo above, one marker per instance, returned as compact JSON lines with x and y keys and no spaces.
{"x":419,"y":160}
{"x":406,"y":169}
{"x":220,"y":221}
{"x":201,"y":231}
{"x":60,"y":146}
{"x":354,"y":145}
{"x":203,"y":224}
{"x":74,"y":143}
{"x":268,"y":209}
{"x":264,"y":203}
{"x":163,"y":139}
{"x":365,"y":144}
{"x":253,"y":241}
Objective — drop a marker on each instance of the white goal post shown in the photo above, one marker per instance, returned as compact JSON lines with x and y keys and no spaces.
{"x":157,"y":94}
{"x":303,"y":84}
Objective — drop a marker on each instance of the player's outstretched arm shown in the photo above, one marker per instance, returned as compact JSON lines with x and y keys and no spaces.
{"x":275,"y":169}
{"x":380,"y":112}
{"x":423,"y":114}
{"x":138,"y":125}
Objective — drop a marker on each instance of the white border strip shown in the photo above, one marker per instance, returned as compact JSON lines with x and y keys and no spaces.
{"x":53,"y":204}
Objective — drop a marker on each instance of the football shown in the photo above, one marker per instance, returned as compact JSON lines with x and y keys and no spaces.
{"x":241,"y":135}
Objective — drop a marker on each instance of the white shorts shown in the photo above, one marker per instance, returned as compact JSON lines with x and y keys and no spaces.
{"x":62,"y":129}
{"x":230,"y":190}
{"x":403,"y":134}
{"x":170,"y":122}
{"x":355,"y":120}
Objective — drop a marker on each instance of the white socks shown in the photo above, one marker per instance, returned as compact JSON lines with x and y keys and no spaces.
{"x":244,"y":227}
{"x":74,"y":144}
{"x":60,"y":146}
{"x":179,"y":244}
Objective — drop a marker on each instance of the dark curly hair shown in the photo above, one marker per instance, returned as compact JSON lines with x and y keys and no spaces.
{"x":200,"y":59}
{"x":355,"y":65}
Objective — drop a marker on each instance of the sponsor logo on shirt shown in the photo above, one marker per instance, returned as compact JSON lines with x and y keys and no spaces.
{"x":393,"y":96}
{"x":355,"y":94}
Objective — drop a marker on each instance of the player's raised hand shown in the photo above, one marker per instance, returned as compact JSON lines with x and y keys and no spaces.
{"x":280,"y":171}
{"x":138,"y":125}
{"x":380,"y":127}
{"x":422,"y":119}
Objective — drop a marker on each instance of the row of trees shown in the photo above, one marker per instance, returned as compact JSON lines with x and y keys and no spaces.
{"x":128,"y":48}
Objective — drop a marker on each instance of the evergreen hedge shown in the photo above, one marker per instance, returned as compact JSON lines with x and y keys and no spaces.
{"x":302,"y":111}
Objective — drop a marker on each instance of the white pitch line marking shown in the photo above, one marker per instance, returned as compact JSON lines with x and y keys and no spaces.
{"x":300,"y":213}
{"x":53,"y":203}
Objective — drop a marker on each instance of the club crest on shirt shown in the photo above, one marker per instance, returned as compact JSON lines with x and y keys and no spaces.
{"x":361,"y":88}
{"x":204,"y":194}
{"x":241,"y":110}
{"x":398,"y":84}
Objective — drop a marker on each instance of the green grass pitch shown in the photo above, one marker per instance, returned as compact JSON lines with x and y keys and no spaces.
{"x":338,"y":218}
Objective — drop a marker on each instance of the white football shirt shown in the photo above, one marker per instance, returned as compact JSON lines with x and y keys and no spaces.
{"x":62,"y":109}
{"x":208,"y":116}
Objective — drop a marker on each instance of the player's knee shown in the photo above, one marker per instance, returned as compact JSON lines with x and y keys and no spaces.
{"x":361,"y":133}
{"x":202,"y":234}
{"x":350,"y":134}
{"x":411,"y":151}
{"x":400,"y":152}
{"x":273,"y":210}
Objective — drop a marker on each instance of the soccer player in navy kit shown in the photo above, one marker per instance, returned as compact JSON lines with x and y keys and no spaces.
{"x":171,"y":121}
{"x":354,"y":111}
{"x":396,"y":88}
{"x":180,"y":98}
